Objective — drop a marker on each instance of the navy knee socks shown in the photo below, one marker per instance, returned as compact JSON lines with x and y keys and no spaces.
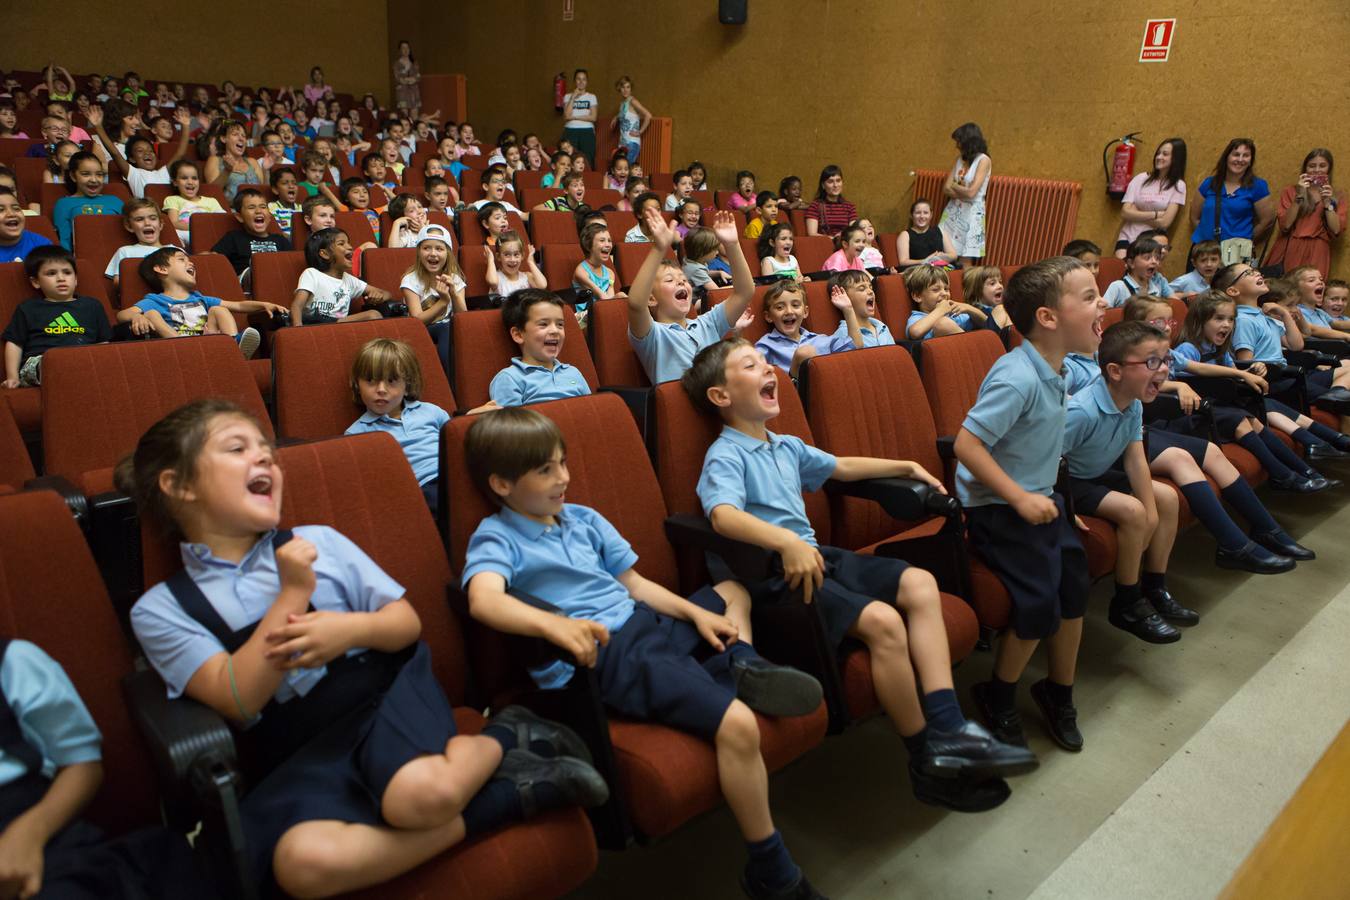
{"x":1285,"y":455}
{"x":942,"y":711}
{"x":1330,"y":435}
{"x":1211,"y":513}
{"x":1252,"y":443}
{"x":770,"y":864}
{"x":1242,"y":498}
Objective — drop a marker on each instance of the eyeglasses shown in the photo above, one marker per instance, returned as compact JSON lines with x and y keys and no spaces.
{"x":1244,"y":273}
{"x":1153,"y":363}
{"x":1162,"y":323}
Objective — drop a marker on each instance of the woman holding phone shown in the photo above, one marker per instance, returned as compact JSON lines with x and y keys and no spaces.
{"x":1311,"y":215}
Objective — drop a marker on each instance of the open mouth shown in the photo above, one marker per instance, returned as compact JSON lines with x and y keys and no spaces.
{"x":1097,"y":328}
{"x":552,"y":346}
{"x":788,"y":322}
{"x":11,"y":221}
{"x":348,"y":255}
{"x":1318,"y":291}
{"x":769,"y":390}
{"x":682,"y":294}
{"x":260,"y":485}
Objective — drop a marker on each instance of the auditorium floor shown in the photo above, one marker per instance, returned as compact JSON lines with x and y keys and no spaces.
{"x":1191,"y":750}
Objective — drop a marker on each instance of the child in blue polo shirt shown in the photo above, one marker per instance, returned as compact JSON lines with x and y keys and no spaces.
{"x":1142,"y":259}
{"x":534,"y":319}
{"x":1309,"y":287}
{"x":857,"y":287}
{"x":387,"y":381}
{"x":751,"y":490}
{"x":1009,"y":448}
{"x":659,"y":329}
{"x":788,"y":343}
{"x":649,"y":648}
{"x":1206,"y":258}
{"x":937,"y":313}
{"x":1334,"y":299}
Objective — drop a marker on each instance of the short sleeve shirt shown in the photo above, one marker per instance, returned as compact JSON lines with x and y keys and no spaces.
{"x":51,"y":716}
{"x":1259,"y":333}
{"x":1315,"y":316}
{"x":669,"y":347}
{"x":411,"y":283}
{"x":1238,"y":214}
{"x":878,"y":336}
{"x":330,"y":296}
{"x":521,"y":383}
{"x":38,"y":325}
{"x":138,"y":178}
{"x":1119,"y":292}
{"x":1080,"y":370}
{"x":581,"y":103}
{"x":127,"y":251}
{"x":1190,"y":283}
{"x":778,"y":348}
{"x":962,"y":319}
{"x":764,"y":478}
{"x":1096,"y":431}
{"x":1150,"y":195}
{"x":183,"y":316}
{"x":418,"y":432}
{"x":19,"y":250}
{"x":1186,"y":353}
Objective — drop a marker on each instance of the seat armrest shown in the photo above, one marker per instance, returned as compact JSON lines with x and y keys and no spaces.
{"x":1223,"y":389}
{"x":902,"y":498}
{"x":639,"y":402}
{"x":1307,"y":359}
{"x":747,"y":561}
{"x":946,"y":446}
{"x":1338,"y":350}
{"x":75,"y":500}
{"x":1168,"y":406}
{"x":537,"y":651}
{"x":263,"y":322}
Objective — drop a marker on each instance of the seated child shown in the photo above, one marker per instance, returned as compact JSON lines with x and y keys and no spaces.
{"x":494,"y":191}
{"x":871,"y":254}
{"x":1309,"y":288}
{"x":638,"y":233}
{"x":775,"y":253}
{"x":535,"y":321}
{"x":355,"y":196}
{"x":392,"y":158}
{"x":751,"y":490}
{"x":632,"y":189}
{"x":765,"y":213}
{"x":688,"y":216}
{"x":787,"y":343}
{"x":142,"y":221}
{"x":16,"y":241}
{"x":387,"y":381}
{"x":923,"y":242}
{"x":178,"y":309}
{"x":790,"y":194}
{"x":849,"y":245}
{"x":55,"y":318}
{"x":686,"y":664}
{"x":252,"y":236}
{"x":377,"y":176}
{"x":1086,"y":252}
{"x":1205,"y":258}
{"x":315,"y":168}
{"x":511,"y":266}
{"x":659,"y":330}
{"x":84,"y":184}
{"x":1142,"y":259}
{"x":328,"y":287}
{"x":594,"y":273}
{"x":560,"y":165}
{"x":857,"y":286}
{"x":492,"y":218}
{"x":616,"y":176}
{"x":441,"y":197}
{"x":361,"y":773}
{"x":684,"y":189}
{"x":745,"y":192}
{"x":287,"y":202}
{"x":984,"y":285}
{"x":937,"y":314}
{"x":140,"y":163}
{"x":409,"y":218}
{"x":433,"y":287}
{"x":572,"y":198}
{"x":700,"y":248}
{"x":1334,"y":299}
{"x":187,"y":199}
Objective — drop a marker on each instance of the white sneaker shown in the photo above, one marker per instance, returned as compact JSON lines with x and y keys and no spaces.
{"x":249,"y":339}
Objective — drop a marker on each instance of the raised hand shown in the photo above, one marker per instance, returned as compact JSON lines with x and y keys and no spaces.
{"x":94,"y":116}
{"x":663,"y":233}
{"x":724,"y":226}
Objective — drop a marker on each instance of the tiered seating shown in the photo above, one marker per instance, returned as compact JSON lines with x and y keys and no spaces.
{"x":482,"y":348}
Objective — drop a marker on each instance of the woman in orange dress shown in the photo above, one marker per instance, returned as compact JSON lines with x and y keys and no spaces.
{"x":1311,"y":215}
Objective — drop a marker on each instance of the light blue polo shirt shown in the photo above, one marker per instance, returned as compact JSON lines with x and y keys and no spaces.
{"x":668,"y":349}
{"x":521,"y":383}
{"x":1119,"y":292}
{"x":1019,"y":416}
{"x":51,"y":716}
{"x":881,"y":337}
{"x":764,"y":478}
{"x":1315,"y":316}
{"x":1259,"y":333}
{"x":1096,"y":431}
{"x":573,"y":564}
{"x":1080,"y":370}
{"x":1185,"y":353}
{"x":1190,"y":283}
{"x":962,"y":319}
{"x":418,"y":432}
{"x":346,"y":580}
{"x":778,"y":348}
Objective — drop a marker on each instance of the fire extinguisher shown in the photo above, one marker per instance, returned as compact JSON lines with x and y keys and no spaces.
{"x":559,"y":91}
{"x":1119,"y":166}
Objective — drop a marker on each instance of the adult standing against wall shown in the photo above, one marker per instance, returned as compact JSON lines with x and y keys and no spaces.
{"x":407,"y":81}
{"x":316,"y":89}
{"x":1246,"y":210}
{"x":1154,"y":198}
{"x":580,"y":110}
{"x":830,"y":213}
{"x":963,"y":219}
{"x":631,"y":121}
{"x":1311,"y":215}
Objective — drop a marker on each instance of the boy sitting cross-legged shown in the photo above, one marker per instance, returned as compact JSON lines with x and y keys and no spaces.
{"x":682,"y":663}
{"x":751,"y":491}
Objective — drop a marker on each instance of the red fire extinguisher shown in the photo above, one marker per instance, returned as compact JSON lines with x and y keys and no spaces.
{"x":559,"y":91}
{"x":1119,"y":168}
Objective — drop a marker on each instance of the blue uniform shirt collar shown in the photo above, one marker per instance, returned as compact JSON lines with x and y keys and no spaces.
{"x":1101,"y":392}
{"x":199,"y":556}
{"x":743,"y":440}
{"x":523,"y":366}
{"x":528,"y":527}
{"x":1043,"y":370}
{"x":370,"y":418}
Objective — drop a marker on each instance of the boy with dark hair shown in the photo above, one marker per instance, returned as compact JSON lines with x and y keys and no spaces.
{"x":252,"y":235}
{"x":1086,"y":252}
{"x":1142,"y":259}
{"x":1205,"y":257}
{"x":751,"y":491}
{"x":534,"y":319}
{"x":56,"y":318}
{"x":1009,"y":448}
{"x":766,"y":214}
{"x":494,"y":191}
{"x":650,"y":648}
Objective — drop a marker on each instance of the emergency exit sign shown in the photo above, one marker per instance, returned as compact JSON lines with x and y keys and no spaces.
{"x":1157,"y":43}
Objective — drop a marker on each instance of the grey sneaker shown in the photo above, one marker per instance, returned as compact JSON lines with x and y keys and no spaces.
{"x":249,"y":339}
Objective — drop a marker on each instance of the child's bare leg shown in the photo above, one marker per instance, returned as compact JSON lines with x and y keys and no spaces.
{"x":1133,"y":530}
{"x":219,"y":320}
{"x":919,"y":599}
{"x":1159,"y":549}
{"x":323,"y":858}
{"x":741,"y":772}
{"x":365,"y":315}
{"x":880,"y":627}
{"x":1061,"y":650}
{"x":1012,"y":657}
{"x":432,"y":790}
{"x":737,"y":599}
{"x":1283,"y":423}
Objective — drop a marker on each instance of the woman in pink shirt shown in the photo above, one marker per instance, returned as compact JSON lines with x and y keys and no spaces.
{"x":1153,"y":198}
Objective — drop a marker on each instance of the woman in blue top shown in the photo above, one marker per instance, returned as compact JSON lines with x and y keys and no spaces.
{"x":631,"y":120}
{"x":1247,"y":208}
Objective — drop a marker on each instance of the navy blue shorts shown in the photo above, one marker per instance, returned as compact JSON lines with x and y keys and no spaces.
{"x":1044,"y":567}
{"x":1088,"y":493}
{"x":1319,"y":382}
{"x":343,"y":772}
{"x":852,"y":581}
{"x":661,"y":670}
{"x":431,"y":492}
{"x":1175,"y":433}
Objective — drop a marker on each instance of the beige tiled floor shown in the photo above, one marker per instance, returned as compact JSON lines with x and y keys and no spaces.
{"x":1166,"y":799}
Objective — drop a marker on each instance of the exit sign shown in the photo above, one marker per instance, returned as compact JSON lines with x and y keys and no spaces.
{"x":1157,"y":43}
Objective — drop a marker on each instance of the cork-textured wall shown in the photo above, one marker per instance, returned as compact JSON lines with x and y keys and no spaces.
{"x":269,"y":43}
{"x":878,"y":86}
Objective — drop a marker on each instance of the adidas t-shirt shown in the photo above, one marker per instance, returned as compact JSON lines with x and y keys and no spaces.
{"x":183,"y":316}
{"x":330,"y":297}
{"x":40,"y":324}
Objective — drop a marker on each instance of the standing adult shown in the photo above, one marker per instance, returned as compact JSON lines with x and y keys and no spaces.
{"x":631,"y":120}
{"x":830,"y":213}
{"x":1311,"y":214}
{"x":317,"y":90}
{"x":1153,"y":199}
{"x":964,"y":217}
{"x":580,"y":110}
{"x":1246,"y":209}
{"x":407,"y":80}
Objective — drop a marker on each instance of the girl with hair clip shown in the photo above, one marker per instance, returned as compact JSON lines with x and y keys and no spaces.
{"x":1311,"y":215}
{"x":1153,"y":199}
{"x":964,"y":218}
{"x":829,"y":213}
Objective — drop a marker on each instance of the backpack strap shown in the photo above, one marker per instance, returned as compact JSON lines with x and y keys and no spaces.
{"x":195,"y":604}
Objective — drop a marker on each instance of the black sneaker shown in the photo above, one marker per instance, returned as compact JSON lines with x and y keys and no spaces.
{"x":1061,"y":720}
{"x":1005,"y":725}
{"x":972,"y":752}
{"x":968,"y":795}
{"x":800,"y":890}
{"x":576,"y":781}
{"x":775,"y":690}
{"x":531,"y":729}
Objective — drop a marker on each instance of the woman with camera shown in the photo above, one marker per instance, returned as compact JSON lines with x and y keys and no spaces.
{"x":1311,"y":215}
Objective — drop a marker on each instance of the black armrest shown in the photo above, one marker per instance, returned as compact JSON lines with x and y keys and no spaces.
{"x":771,"y":279}
{"x":946,"y":446}
{"x":263,"y":322}
{"x":538,"y":651}
{"x":1328,"y":347}
{"x":747,"y":561}
{"x":75,"y":500}
{"x":639,"y":403}
{"x":1308,"y":359}
{"x":1168,"y":406}
{"x":902,"y":498}
{"x":1227,"y":391}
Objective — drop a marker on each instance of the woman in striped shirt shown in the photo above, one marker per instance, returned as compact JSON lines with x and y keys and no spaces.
{"x":830,"y":212}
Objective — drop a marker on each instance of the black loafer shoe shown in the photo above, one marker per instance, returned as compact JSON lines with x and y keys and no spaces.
{"x":1142,"y":621}
{"x":1326,"y":451}
{"x":1061,"y":720}
{"x":1295,"y":484}
{"x":972,"y":752}
{"x":531,"y":729}
{"x":959,"y":794}
{"x":1336,"y":394}
{"x":1006,"y":726}
{"x":1170,"y":609}
{"x":577,"y":783}
{"x":775,"y":690}
{"x":801,"y":890}
{"x":1281,"y":544}
{"x":1253,"y":557}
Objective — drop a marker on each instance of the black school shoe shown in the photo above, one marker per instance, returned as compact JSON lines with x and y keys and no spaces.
{"x":775,"y":690}
{"x":1006,"y":726}
{"x":1326,"y":451}
{"x":801,"y":890}
{"x":576,"y":782}
{"x":1142,"y":620}
{"x":1281,"y":544}
{"x":1297,"y":484}
{"x":531,"y":729}
{"x":972,"y":752}
{"x":968,"y":795}
{"x":1255,"y":557}
{"x":1170,"y":609}
{"x":1061,"y":720}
